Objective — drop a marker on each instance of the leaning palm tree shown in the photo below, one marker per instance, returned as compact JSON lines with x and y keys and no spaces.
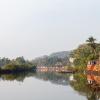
{"x":91,"y":42}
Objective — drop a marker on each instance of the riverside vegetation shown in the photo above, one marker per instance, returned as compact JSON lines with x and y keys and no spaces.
{"x":85,"y":52}
{"x":16,"y":65}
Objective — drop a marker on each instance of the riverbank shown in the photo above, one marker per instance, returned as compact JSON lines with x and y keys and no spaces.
{"x":13,"y":68}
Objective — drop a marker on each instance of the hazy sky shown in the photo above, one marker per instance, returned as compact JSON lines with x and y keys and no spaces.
{"x":32,"y":28}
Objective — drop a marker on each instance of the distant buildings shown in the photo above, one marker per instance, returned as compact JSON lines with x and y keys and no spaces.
{"x":50,"y":69}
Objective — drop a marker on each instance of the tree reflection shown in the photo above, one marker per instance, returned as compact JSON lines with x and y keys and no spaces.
{"x":87,"y":85}
{"x":17,"y":76}
{"x":55,"y":78}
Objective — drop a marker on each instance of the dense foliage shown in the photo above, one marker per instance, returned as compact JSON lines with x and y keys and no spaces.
{"x":86,"y":52}
{"x":18,"y":64}
{"x":51,"y":61}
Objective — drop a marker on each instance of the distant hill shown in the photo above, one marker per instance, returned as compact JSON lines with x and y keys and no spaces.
{"x":53,"y":59}
{"x":61,"y":54}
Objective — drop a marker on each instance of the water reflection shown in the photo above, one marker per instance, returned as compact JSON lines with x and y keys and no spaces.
{"x":55,"y":78}
{"x":87,"y":85}
{"x":16,"y":76}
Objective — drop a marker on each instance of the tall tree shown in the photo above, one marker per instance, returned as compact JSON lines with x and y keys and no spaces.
{"x":91,"y":42}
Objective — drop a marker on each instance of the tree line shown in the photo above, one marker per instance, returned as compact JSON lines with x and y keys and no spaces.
{"x":15,"y":65}
{"x":53,"y":61}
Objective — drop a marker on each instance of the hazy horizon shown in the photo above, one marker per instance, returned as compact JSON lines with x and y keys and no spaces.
{"x":32,"y":28}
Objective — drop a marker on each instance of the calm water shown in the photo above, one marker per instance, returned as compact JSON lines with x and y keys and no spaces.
{"x":49,"y":86}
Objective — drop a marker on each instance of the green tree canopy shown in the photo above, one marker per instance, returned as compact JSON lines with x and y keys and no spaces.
{"x":91,"y":42}
{"x":85,"y":52}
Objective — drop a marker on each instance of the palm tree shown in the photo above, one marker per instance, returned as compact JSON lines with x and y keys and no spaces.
{"x":91,"y":42}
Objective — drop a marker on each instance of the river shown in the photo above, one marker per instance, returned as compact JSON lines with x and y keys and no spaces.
{"x":48,"y":86}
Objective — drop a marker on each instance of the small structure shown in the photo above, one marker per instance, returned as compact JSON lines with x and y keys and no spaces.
{"x":93,"y":65}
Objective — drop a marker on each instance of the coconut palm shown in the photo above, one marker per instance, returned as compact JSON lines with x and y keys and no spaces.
{"x":91,"y":42}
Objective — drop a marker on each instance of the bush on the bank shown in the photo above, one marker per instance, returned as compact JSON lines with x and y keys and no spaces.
{"x":14,"y":67}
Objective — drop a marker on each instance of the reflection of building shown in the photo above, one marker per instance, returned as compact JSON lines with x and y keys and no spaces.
{"x":93,"y":79}
{"x":94,"y":86}
{"x":90,"y":79}
{"x":87,"y":85}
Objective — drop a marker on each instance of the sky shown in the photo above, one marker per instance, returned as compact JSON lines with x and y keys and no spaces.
{"x":33,"y":28}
